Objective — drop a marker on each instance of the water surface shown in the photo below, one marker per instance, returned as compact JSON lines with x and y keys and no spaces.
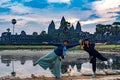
{"x":23,"y":61}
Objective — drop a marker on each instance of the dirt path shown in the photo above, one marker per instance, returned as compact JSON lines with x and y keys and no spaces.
{"x":109,"y":77}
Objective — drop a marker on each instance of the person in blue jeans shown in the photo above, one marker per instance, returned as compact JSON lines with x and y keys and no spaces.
{"x":53,"y":59}
{"x":93,"y":54}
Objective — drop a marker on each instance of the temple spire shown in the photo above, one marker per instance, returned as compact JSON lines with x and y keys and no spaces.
{"x":51,"y":27}
{"x":62,"y":20}
{"x":78,"y":27}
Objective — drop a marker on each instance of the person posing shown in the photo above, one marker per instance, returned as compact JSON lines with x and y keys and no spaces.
{"x":53,"y":59}
{"x":88,"y":47}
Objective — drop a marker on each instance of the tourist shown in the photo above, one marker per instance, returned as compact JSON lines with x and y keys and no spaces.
{"x":53,"y":59}
{"x":93,"y":54}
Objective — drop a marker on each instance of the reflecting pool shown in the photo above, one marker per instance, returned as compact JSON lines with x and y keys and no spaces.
{"x":23,"y":60}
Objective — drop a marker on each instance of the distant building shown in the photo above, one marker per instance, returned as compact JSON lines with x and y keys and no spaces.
{"x":51,"y":27}
{"x":62,"y":21}
{"x":78,"y":27}
{"x":53,"y":35}
{"x":72,"y":29}
{"x":23,"y":38}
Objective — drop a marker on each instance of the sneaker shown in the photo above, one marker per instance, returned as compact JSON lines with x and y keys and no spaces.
{"x":34,"y":64}
{"x":94,"y":75}
{"x":105,"y":62}
{"x":110,"y":62}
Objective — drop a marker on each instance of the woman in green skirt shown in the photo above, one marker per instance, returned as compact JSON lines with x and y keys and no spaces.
{"x":53,"y":59}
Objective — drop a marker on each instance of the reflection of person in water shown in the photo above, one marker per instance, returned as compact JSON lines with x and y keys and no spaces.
{"x":88,"y":47}
{"x":53,"y":59}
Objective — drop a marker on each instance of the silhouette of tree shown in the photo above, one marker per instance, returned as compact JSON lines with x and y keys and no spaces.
{"x":108,"y":29}
{"x":23,"y":33}
{"x":116,"y":27}
{"x":14,"y":22}
{"x":43,"y":33}
{"x":35,"y":34}
{"x":65,"y":26}
{"x":8,"y":29}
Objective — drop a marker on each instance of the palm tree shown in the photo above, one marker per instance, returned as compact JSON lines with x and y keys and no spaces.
{"x":63,"y":32}
{"x":35,"y":34}
{"x":43,"y":33}
{"x":14,"y":22}
{"x":108,"y":32}
{"x":8,"y":29}
{"x":65,"y":26}
{"x":100,"y":28}
{"x":116,"y":27}
{"x":108,"y":29}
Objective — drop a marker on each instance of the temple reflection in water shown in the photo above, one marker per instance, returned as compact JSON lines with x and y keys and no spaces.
{"x":7,"y":59}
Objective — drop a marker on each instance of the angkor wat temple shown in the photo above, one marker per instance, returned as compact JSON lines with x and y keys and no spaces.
{"x":104,"y":33}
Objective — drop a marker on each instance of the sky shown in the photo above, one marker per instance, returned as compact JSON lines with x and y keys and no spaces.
{"x":36,"y":15}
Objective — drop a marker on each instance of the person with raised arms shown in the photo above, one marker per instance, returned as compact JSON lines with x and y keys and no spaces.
{"x":93,"y":54}
{"x":53,"y":59}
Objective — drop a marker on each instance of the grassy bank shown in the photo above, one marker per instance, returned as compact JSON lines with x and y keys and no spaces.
{"x":51,"y":47}
{"x":25,"y":47}
{"x":108,"y":46}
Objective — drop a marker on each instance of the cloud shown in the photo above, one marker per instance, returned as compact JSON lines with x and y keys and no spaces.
{"x":19,"y":9}
{"x":59,"y":1}
{"x":98,"y":20}
{"x":89,"y":28}
{"x":93,"y":16}
{"x":106,"y":4}
{"x":34,"y":14}
{"x":90,"y":25}
{"x":26,"y":0}
{"x":104,"y":12}
{"x":32,"y":26}
{"x":4,"y":1}
{"x":41,"y":17}
{"x":106,"y":8}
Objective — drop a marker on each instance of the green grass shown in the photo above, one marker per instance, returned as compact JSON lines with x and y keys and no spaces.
{"x":101,"y":47}
{"x":108,"y":46}
{"x":25,"y":47}
{"x":51,"y":47}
